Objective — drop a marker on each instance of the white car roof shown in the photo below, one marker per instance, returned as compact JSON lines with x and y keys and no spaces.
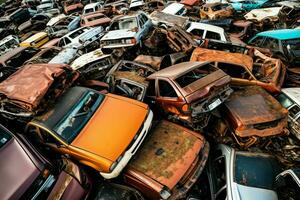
{"x":173,"y":8}
{"x":208,"y":27}
{"x":293,"y":93}
{"x":88,"y":58}
{"x":7,"y":38}
{"x":91,"y":5}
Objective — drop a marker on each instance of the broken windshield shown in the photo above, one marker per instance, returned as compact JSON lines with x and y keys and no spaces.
{"x":128,"y":23}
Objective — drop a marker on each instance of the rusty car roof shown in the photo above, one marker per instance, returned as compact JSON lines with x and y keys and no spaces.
{"x":30,"y":83}
{"x":201,"y":54}
{"x":174,"y":71}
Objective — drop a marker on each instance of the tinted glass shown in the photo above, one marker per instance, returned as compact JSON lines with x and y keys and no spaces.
{"x":165,"y":89}
{"x":284,"y":100}
{"x":71,"y":124}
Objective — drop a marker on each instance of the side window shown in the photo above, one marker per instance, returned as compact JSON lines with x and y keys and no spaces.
{"x":271,"y":43}
{"x":213,"y":35}
{"x":257,"y":41}
{"x":293,"y":111}
{"x":219,"y":178}
{"x":67,"y":41}
{"x":144,"y":18}
{"x":61,"y":42}
{"x":198,"y":32}
{"x":234,"y":71}
{"x":165,"y":89}
{"x":141,"y":21}
{"x":151,"y":88}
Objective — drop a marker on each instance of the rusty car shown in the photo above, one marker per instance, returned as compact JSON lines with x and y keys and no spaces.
{"x":169,"y":162}
{"x":95,"y":19}
{"x":128,"y":78}
{"x":71,"y":6}
{"x":189,"y":91}
{"x":215,"y":11}
{"x":28,"y":91}
{"x":93,"y":65}
{"x":263,"y":71}
{"x":260,"y":118}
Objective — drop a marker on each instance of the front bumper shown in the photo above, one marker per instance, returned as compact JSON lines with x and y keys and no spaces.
{"x":132,"y":150}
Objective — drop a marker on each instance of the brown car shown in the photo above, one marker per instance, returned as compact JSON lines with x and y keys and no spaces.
{"x":26,"y":174}
{"x":168,"y":163}
{"x":241,"y":31}
{"x":71,"y":6}
{"x":189,"y":91}
{"x":94,"y":19}
{"x":252,"y":115}
{"x":215,"y":11}
{"x":30,"y":90}
{"x":267,"y":72}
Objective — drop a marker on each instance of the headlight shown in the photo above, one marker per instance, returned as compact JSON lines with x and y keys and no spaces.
{"x":113,"y":166}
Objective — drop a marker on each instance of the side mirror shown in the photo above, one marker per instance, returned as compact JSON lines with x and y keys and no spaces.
{"x":107,"y":28}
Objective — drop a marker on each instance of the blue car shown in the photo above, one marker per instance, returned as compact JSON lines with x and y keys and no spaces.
{"x":246,"y":5}
{"x":284,"y":44}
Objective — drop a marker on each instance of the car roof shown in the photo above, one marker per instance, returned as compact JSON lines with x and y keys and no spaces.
{"x":175,"y":70}
{"x":208,"y":27}
{"x":173,"y":8}
{"x":293,"y":93}
{"x":91,"y":5}
{"x":283,"y":34}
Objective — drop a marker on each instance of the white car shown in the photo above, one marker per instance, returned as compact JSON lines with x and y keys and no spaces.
{"x":136,"y":4}
{"x":290,"y":99}
{"x":126,"y":31}
{"x":91,"y":8}
{"x":206,"y":31}
{"x":8,"y":43}
{"x":81,"y":37}
{"x":175,"y":9}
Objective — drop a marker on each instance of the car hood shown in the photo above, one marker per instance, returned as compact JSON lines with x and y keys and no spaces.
{"x":248,"y":193}
{"x":112,"y":127}
{"x":46,"y":5}
{"x":119,"y":34}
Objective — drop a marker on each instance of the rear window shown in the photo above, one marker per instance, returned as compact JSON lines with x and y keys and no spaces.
{"x":284,"y":100}
{"x":255,"y":171}
{"x":77,"y":33}
{"x":4,"y":137}
{"x":195,"y":74}
{"x":95,"y":18}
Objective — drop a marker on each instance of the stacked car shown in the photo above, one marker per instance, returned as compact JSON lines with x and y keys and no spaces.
{"x":150,"y":99}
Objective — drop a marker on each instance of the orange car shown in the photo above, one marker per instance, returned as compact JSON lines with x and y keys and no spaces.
{"x":100,"y":131}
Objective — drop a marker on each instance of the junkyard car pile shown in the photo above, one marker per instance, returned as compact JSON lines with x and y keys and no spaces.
{"x":150,"y":99}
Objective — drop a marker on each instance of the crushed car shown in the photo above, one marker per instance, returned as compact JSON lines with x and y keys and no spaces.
{"x":72,"y":6}
{"x":28,"y":174}
{"x":215,"y":11}
{"x":169,"y":162}
{"x":126,"y":31}
{"x":95,"y":19}
{"x":262,"y":70}
{"x":28,"y":91}
{"x":93,"y":65}
{"x":251,"y":117}
{"x":8,"y":43}
{"x":128,"y":78}
{"x":82,"y":118}
{"x":189,"y":91}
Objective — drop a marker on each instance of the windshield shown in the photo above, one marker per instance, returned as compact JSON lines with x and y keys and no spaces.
{"x":128,"y":23}
{"x":89,"y":10}
{"x":255,"y":171}
{"x":71,"y":124}
{"x":95,"y":18}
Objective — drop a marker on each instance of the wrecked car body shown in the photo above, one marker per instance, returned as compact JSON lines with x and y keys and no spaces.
{"x":289,"y":98}
{"x":62,"y":25}
{"x":153,"y":5}
{"x":259,"y":119}
{"x":37,"y":22}
{"x":160,"y":170}
{"x":288,"y":184}
{"x":128,"y":79}
{"x":189,"y":91}
{"x":241,"y":31}
{"x":126,"y":31}
{"x":28,"y":91}
{"x":95,"y":19}
{"x":72,"y":6}
{"x":8,"y":43}
{"x":161,"y":19}
{"x":263,"y":71}
{"x":93,"y":65}
{"x":215,"y":11}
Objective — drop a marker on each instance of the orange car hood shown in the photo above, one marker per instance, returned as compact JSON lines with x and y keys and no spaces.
{"x":112,"y":127}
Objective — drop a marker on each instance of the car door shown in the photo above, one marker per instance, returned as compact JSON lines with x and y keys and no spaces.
{"x":168,"y":98}
{"x":147,"y":23}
